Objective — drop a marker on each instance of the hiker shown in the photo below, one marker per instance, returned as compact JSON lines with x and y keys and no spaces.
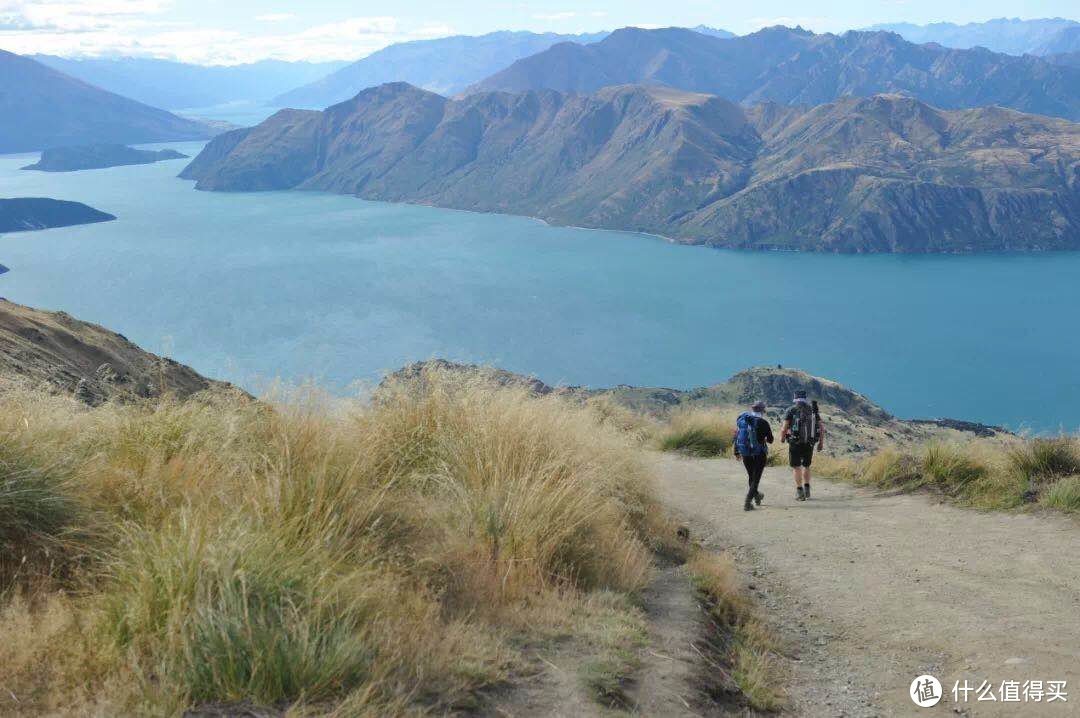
{"x":802,"y":430}
{"x":752,"y":437}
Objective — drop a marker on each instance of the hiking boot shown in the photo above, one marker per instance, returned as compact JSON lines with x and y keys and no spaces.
{"x":748,"y":506}
{"x":759,"y":498}
{"x":799,"y":495}
{"x":806,"y":492}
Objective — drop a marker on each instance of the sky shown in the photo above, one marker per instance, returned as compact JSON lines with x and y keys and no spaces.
{"x":233,"y":31}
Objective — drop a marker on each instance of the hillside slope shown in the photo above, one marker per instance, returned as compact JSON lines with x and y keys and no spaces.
{"x":54,"y":350}
{"x":798,"y":67}
{"x":879,"y":174}
{"x":42,"y":108}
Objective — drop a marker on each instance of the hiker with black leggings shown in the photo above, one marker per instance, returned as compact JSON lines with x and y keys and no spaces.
{"x":752,"y":437}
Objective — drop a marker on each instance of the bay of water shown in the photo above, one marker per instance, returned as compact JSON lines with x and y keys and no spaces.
{"x":296,"y":285}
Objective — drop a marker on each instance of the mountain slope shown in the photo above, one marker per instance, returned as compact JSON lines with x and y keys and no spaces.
{"x":795,"y":66}
{"x":55,"y":350}
{"x":178,"y":85}
{"x":42,"y":108}
{"x":881,"y":174}
{"x":445,"y":65}
{"x":1008,"y":35}
{"x":26,"y":214}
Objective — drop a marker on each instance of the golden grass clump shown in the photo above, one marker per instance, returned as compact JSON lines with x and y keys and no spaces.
{"x":355,"y":557}
{"x":699,"y":432}
{"x":983,"y":474}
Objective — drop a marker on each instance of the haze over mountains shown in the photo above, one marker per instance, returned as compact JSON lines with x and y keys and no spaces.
{"x":178,"y":85}
{"x":878,"y":174}
{"x":42,"y":108}
{"x":794,"y":66}
{"x":1009,"y":35}
{"x":444,"y":65}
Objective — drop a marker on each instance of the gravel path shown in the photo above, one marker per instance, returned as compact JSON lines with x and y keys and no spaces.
{"x":869,"y":591}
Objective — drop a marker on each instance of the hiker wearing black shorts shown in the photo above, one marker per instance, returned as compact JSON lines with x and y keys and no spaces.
{"x":802,"y":430}
{"x":753,"y":434}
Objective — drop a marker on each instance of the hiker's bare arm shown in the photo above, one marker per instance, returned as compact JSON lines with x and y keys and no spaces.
{"x":821,"y":436}
{"x":785,"y":431}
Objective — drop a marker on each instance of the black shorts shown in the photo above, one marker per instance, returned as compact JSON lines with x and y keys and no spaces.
{"x":801,"y":455}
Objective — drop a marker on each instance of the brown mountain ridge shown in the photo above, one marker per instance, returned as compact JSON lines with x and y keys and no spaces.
{"x":879,"y":174}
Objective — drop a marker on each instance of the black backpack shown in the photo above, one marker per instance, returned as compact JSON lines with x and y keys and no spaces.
{"x":804,"y":423}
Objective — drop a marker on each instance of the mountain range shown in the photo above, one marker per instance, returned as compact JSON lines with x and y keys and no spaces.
{"x":1009,"y":35}
{"x":179,"y":85}
{"x":794,"y":66}
{"x":444,"y":65}
{"x":878,"y":174}
{"x":41,"y":108}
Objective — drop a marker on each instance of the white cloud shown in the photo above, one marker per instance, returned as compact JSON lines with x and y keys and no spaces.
{"x":132,"y":27}
{"x":567,"y":15}
{"x":75,"y":15}
{"x":276,"y":17}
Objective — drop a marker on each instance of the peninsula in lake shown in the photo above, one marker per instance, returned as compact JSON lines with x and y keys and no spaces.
{"x":878,"y":174}
{"x":26,"y":214}
{"x":92,"y":157}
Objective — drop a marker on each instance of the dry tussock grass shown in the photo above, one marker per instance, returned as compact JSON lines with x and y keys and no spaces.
{"x":699,"y":432}
{"x":1040,"y":471}
{"x":338,"y":557}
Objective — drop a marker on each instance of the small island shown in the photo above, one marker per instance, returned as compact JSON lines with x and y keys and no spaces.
{"x":94,"y":157}
{"x":26,"y":214}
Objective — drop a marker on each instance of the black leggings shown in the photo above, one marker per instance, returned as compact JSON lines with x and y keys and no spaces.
{"x":755,"y":467}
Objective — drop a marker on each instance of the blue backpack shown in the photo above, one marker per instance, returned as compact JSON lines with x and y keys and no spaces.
{"x":746,"y":439}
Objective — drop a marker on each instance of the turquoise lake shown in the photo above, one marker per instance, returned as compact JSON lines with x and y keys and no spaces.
{"x":296,"y":285}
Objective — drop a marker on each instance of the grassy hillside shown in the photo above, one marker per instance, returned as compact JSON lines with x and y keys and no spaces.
{"x":384,"y":558}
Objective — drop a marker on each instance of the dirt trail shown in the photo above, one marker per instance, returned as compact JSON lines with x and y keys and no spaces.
{"x":870,"y":591}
